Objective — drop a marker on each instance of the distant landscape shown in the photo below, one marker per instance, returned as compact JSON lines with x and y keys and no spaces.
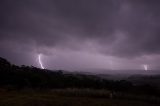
{"x":30,"y":86}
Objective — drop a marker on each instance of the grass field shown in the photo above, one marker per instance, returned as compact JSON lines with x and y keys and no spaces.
{"x":73,"y":97}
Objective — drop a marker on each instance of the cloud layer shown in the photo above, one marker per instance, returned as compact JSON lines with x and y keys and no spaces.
{"x":123,"y":28}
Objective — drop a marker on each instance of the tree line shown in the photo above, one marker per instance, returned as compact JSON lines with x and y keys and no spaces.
{"x":21,"y":77}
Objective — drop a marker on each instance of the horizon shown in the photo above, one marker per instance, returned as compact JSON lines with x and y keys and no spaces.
{"x":99,"y":71}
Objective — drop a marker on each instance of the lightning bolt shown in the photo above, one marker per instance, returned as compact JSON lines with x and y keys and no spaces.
{"x":40,"y":62}
{"x":145,"y":67}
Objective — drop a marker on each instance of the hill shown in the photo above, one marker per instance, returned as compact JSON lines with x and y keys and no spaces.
{"x":28,"y":83}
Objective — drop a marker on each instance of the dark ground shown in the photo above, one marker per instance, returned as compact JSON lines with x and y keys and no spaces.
{"x":73,"y":97}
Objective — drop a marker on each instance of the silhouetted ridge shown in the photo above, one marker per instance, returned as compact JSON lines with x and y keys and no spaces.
{"x":19,"y":77}
{"x":4,"y":63}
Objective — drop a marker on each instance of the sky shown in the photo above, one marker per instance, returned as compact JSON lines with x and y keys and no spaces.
{"x":81,"y":34}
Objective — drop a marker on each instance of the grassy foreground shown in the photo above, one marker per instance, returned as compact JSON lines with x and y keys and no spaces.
{"x":73,"y":97}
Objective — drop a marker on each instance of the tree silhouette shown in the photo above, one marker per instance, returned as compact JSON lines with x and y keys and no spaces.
{"x":19,"y":77}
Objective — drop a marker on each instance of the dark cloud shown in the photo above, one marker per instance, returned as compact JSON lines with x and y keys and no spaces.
{"x":121,"y":28}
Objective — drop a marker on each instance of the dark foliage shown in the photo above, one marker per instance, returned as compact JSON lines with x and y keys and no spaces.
{"x":19,"y":77}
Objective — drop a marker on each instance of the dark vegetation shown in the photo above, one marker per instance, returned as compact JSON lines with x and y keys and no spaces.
{"x":73,"y":97}
{"x":24,"y":83}
{"x":15,"y":77}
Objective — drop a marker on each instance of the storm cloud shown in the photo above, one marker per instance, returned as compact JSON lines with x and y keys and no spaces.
{"x":122,"y":29}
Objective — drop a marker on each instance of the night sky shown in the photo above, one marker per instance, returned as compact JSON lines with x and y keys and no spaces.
{"x":81,"y":34}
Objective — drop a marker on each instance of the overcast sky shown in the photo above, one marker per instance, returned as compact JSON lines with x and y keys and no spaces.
{"x":81,"y":34}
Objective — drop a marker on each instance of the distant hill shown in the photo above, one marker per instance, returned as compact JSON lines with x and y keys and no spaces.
{"x":153,"y":80}
{"x":22,"y":77}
